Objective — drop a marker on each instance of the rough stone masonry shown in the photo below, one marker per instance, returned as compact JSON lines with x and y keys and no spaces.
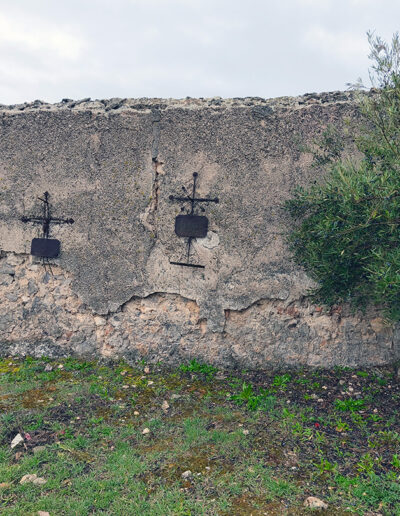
{"x":112,"y":165}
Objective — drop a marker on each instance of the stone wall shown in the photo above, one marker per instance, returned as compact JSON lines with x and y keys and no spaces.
{"x":112,"y":166}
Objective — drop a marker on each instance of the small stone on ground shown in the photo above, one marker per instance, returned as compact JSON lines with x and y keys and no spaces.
{"x":314,"y":502}
{"x":34,"y":479}
{"x":17,"y":440}
{"x":38,"y":449}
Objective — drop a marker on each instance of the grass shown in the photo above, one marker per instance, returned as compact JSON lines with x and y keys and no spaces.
{"x":254,"y":443}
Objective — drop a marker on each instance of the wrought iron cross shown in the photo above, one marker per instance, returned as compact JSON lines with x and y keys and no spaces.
{"x":191,"y":225}
{"x":46,"y":247}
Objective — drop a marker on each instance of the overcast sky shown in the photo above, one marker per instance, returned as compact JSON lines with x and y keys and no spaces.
{"x":54,"y":49}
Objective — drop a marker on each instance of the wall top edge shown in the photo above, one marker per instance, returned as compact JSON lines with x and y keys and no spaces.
{"x":151,"y":104}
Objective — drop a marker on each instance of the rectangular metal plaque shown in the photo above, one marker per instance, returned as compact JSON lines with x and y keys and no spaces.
{"x":194,"y":226}
{"x":45,"y":247}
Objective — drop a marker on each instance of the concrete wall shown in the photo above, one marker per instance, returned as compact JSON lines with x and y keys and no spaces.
{"x":111,"y":166}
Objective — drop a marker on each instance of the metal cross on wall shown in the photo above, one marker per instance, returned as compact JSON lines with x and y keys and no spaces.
{"x":190,"y":225}
{"x":46,"y":247}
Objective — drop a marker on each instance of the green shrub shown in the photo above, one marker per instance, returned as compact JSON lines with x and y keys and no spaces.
{"x":348,"y":232}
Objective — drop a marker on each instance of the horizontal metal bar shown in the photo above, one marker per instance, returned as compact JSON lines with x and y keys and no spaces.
{"x":190,"y":199}
{"x":32,"y":219}
{"x":41,"y":220}
{"x":62,"y":221}
{"x":188,"y":265}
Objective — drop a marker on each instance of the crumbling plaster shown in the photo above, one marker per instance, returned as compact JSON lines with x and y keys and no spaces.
{"x":112,"y":165}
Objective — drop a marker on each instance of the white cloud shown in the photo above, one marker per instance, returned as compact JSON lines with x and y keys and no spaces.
{"x":315,"y":4}
{"x":344,"y":47}
{"x":175,"y":48}
{"x":37,"y":37}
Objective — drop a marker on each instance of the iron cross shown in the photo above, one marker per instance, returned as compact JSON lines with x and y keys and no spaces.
{"x":46,"y":218}
{"x":191,"y":225}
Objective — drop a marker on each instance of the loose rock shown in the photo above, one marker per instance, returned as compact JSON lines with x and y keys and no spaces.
{"x":314,"y":502}
{"x":38,"y":449}
{"x":34,"y":479}
{"x":18,"y":439}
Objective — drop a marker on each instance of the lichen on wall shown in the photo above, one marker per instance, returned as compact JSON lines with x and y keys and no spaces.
{"x":112,"y":166}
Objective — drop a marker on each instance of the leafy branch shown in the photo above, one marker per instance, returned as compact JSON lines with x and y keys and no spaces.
{"x":347,"y":234}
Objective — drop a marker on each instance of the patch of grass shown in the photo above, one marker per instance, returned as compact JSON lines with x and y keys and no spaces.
{"x":369,"y":492}
{"x":261,"y":449}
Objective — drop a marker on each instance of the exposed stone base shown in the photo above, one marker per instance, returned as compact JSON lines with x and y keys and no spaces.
{"x":41,"y":315}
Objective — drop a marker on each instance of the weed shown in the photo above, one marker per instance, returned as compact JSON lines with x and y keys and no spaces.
{"x":396,"y":461}
{"x":302,"y":381}
{"x":325,"y":466}
{"x":72,"y":364}
{"x":379,"y":380}
{"x":100,"y":390}
{"x":358,"y":419}
{"x":281,"y":381}
{"x":342,"y":426}
{"x":349,"y":404}
{"x":320,"y":438}
{"x":301,"y":432}
{"x":386,"y":438}
{"x":375,"y":418}
{"x":366,"y":464}
{"x":253,"y":401}
{"x":35,"y":423}
{"x":96,"y":420}
{"x":198,"y":367}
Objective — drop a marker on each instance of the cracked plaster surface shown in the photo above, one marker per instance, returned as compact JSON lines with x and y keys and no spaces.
{"x":112,"y":165}
{"x":41,"y":315}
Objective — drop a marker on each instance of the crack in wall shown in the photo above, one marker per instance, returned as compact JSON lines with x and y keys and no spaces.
{"x":155,"y":119}
{"x":149,"y":217}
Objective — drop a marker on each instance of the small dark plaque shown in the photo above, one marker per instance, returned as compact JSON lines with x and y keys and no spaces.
{"x":45,"y":247}
{"x":193,"y":226}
